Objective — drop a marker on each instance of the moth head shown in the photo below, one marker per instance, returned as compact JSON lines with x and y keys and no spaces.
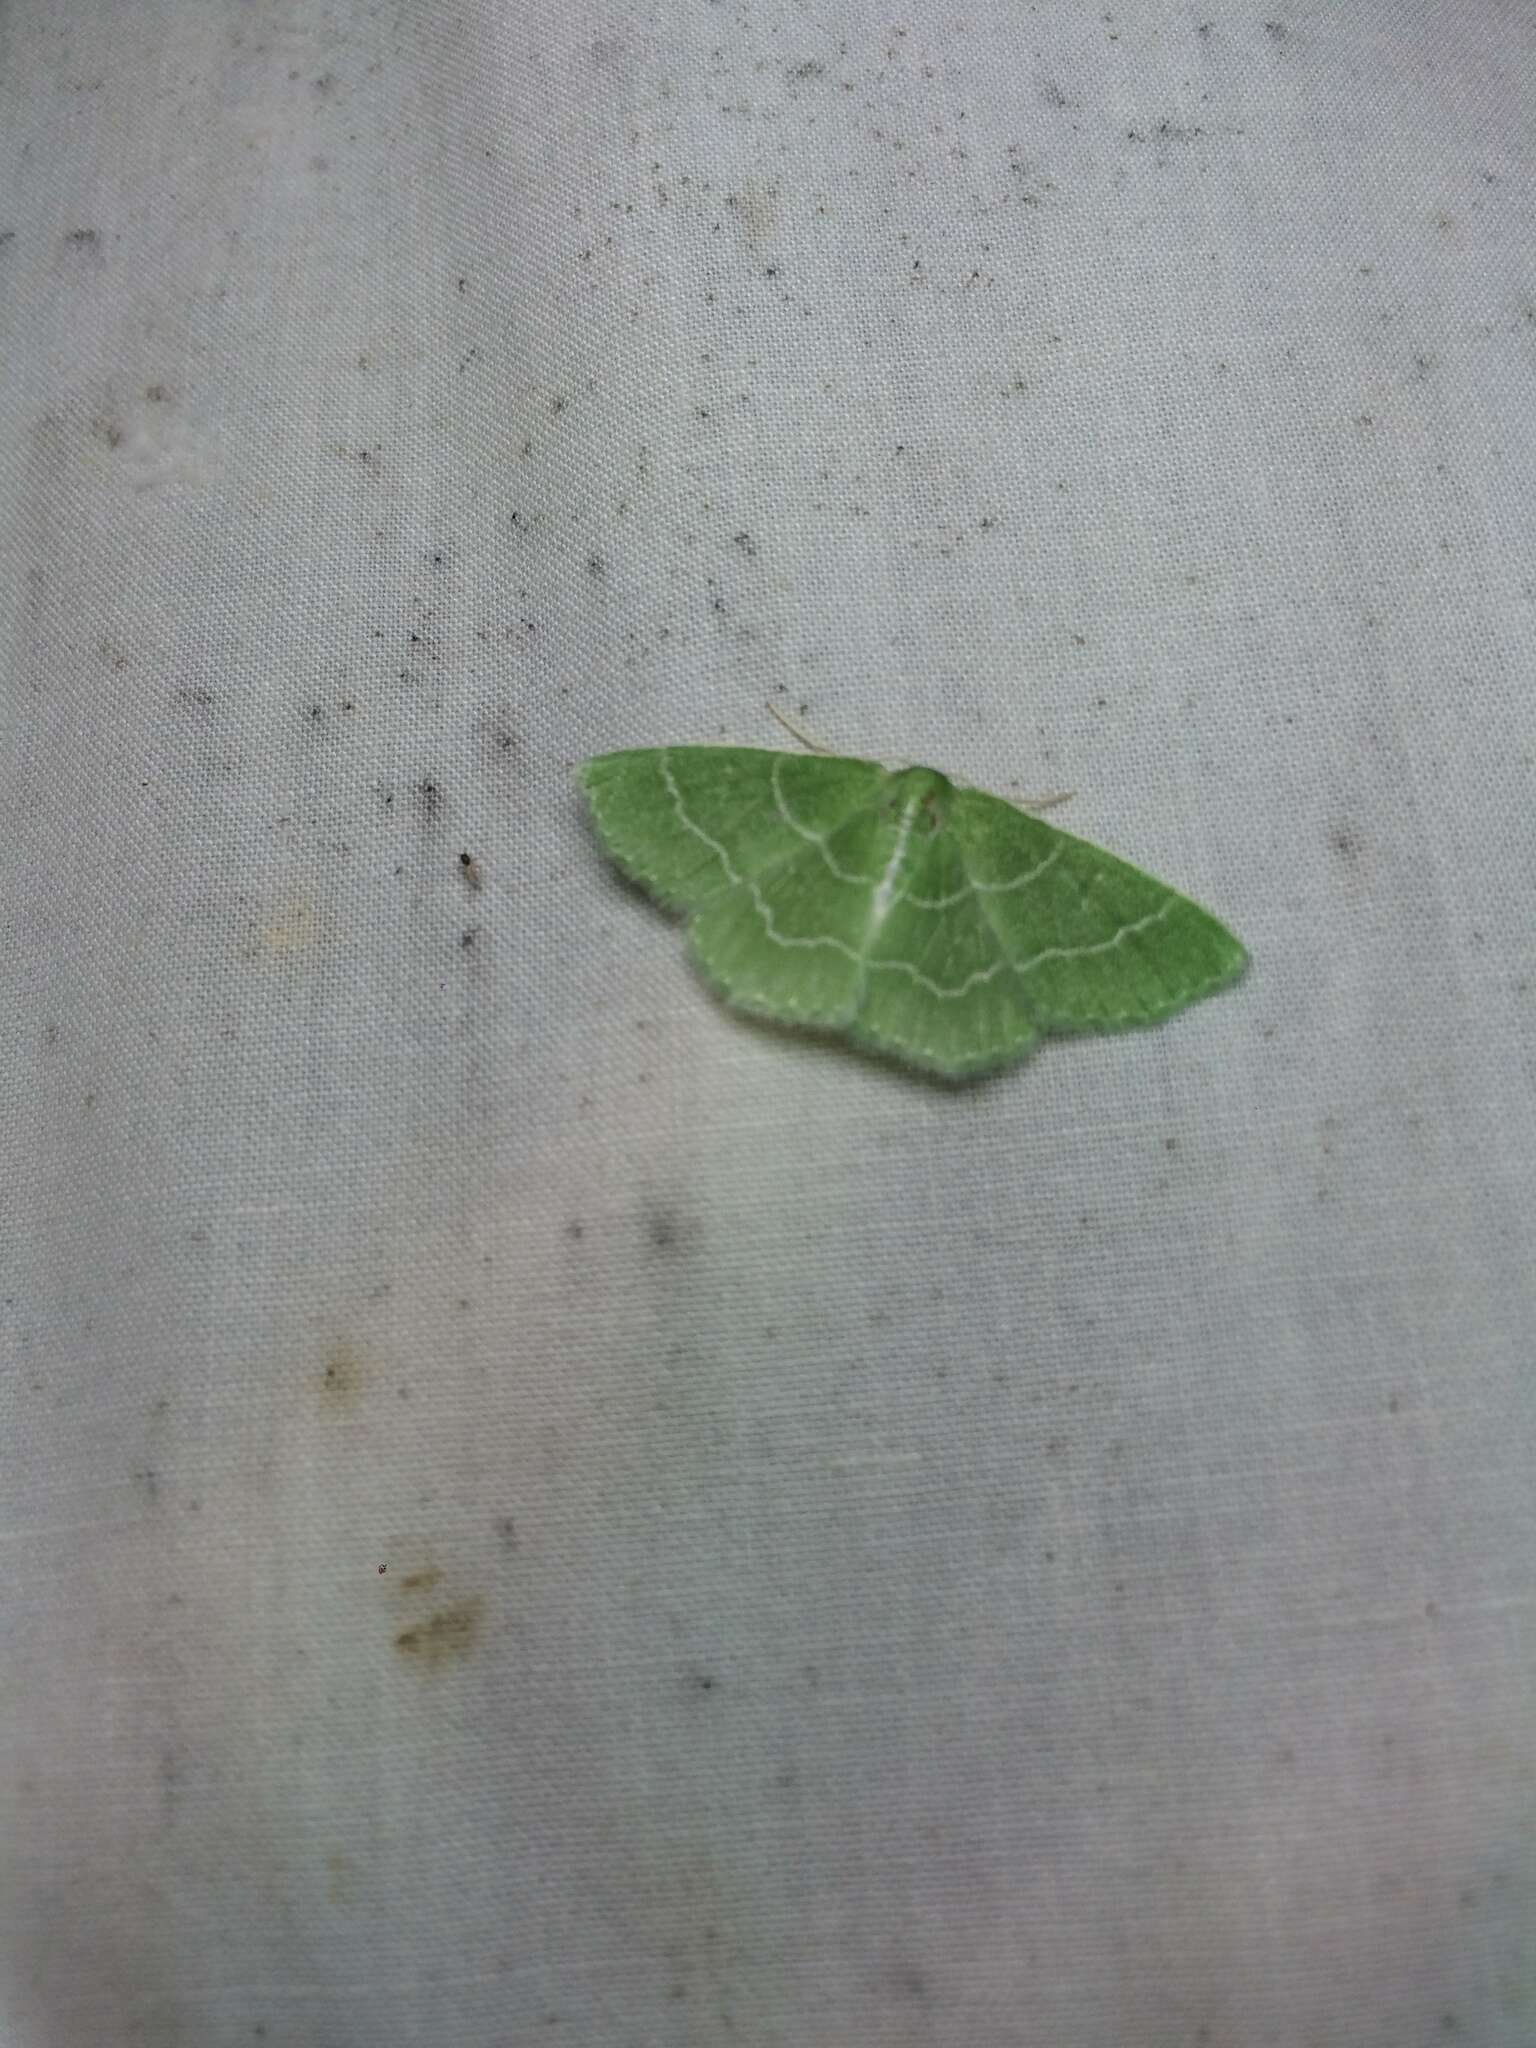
{"x":924,"y":793}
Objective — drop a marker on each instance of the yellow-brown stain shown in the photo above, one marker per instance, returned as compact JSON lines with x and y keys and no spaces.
{"x":756,"y":210}
{"x":343,"y":1376}
{"x":415,"y":1582}
{"x":287,"y":927}
{"x":446,"y":1636}
{"x":291,"y":928}
{"x":344,"y":1879}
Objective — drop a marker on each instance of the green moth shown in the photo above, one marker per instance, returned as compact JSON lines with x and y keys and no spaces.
{"x":936,"y":924}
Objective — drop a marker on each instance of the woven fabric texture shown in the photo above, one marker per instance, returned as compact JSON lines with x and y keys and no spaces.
{"x":536,"y":1509}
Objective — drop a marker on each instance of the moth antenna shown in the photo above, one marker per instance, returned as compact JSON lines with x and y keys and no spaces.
{"x":803,"y":737}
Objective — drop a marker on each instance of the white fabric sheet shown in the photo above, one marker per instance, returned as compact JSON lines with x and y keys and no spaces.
{"x":535,"y":1509}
